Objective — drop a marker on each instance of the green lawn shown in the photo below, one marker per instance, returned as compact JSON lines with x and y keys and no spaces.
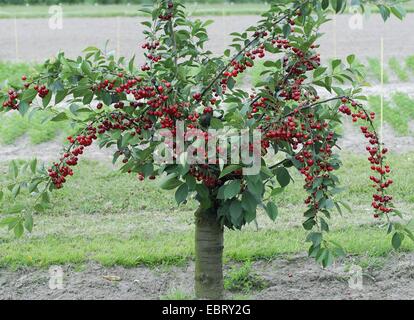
{"x":11,"y":72}
{"x":114,"y":219}
{"x":14,"y":126}
{"x":400,"y":72}
{"x":398,"y":111}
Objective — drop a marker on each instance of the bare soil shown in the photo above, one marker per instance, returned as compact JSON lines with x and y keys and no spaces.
{"x":47,"y":151}
{"x":352,"y":141}
{"x":36,"y":41}
{"x":286,"y":279}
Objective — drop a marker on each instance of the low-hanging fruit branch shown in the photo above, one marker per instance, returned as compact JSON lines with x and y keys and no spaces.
{"x":119,"y":105}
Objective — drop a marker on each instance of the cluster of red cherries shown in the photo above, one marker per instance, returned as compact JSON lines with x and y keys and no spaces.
{"x":377,"y":153}
{"x":59,"y":171}
{"x":169,"y":14}
{"x":12,"y":101}
{"x":13,"y":96}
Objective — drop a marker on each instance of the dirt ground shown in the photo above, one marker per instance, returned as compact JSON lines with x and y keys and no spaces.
{"x":286,"y":279}
{"x":35,"y":41}
{"x":352,"y":141}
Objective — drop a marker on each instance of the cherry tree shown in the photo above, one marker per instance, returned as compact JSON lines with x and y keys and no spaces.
{"x":288,"y":121}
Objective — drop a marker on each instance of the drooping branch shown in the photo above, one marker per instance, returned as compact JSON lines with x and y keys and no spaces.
{"x":257,"y":36}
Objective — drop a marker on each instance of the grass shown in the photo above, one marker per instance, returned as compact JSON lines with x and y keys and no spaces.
{"x":374,"y":67}
{"x":177,"y":294}
{"x":12,"y":72}
{"x":110,"y":218}
{"x":397,"y":120}
{"x":243,"y":279}
{"x":409,"y":63}
{"x":14,"y":126}
{"x":404,"y":104}
{"x":395,"y":66}
{"x":398,"y":111}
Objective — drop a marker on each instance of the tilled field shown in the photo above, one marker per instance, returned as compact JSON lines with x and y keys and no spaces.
{"x":36,"y":41}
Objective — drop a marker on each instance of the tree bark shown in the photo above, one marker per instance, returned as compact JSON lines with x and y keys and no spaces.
{"x":209,"y":255}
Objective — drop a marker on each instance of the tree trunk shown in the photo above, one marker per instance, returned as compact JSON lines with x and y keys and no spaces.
{"x":209,"y":255}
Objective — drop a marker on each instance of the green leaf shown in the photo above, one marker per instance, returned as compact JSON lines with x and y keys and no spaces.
{"x":170,"y":182}
{"x":255,"y":186}
{"x":80,"y":91}
{"x":350,"y":59}
{"x":86,"y":69}
{"x":60,"y":96}
{"x":16,"y":208}
{"x":271,"y":210}
{"x":229,"y":169}
{"x":181,"y":193}
{"x":202,"y":190}
{"x":28,"y":222}
{"x":33,"y":185}
{"x":336,"y":63}
{"x":308,"y":224}
{"x":60,"y":117}
{"x":131,"y":64}
{"x":39,"y":208}
{"x":230,"y":83}
{"x":16,"y":190}
{"x":249,"y":202}
{"x":46,"y":100}
{"x":384,"y":11}
{"x":14,"y":170}
{"x":90,"y":49}
{"x":88,"y":97}
{"x":283,"y":176}
{"x":106,"y":98}
{"x":398,"y":11}
{"x":74,"y":109}
{"x":319,"y":71}
{"x":337,"y":5}
{"x":45,"y":198}
{"x":269,"y":64}
{"x":216,"y":123}
{"x":345,"y":205}
{"x":236,"y":212}
{"x":328,"y":260}
{"x":9,"y":221}
{"x":29,"y":95}
{"x":266,"y":171}
{"x":286,"y":30}
{"x":33,"y":165}
{"x":397,"y":239}
{"x":276,"y":191}
{"x":23,"y":107}
{"x":18,"y":229}
{"x":315,"y":238}
{"x":231,"y":189}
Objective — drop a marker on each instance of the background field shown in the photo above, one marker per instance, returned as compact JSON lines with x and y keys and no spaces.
{"x":130,"y":8}
{"x":104,"y":223}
